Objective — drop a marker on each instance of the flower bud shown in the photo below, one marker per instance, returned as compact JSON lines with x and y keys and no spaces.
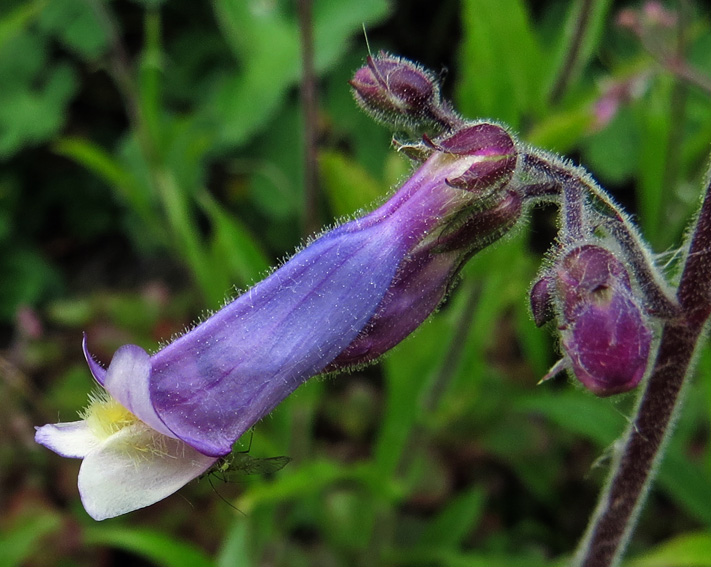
{"x":400,"y":93}
{"x":495,"y":148}
{"x":605,"y":332}
{"x":541,"y":301}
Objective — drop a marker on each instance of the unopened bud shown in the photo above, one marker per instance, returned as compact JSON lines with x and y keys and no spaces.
{"x":605,"y":331}
{"x":401,"y":94}
{"x":492,"y":144}
{"x":541,"y":299}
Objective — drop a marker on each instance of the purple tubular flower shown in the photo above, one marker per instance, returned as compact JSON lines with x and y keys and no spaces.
{"x":216,"y":381}
{"x":194,"y":398}
{"x":605,"y":332}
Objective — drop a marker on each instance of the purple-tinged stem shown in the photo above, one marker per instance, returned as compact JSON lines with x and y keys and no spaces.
{"x":659,"y":300}
{"x":572,"y":211}
{"x":636,"y":463}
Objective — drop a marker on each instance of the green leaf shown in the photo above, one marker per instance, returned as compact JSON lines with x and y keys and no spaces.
{"x":586,"y":44}
{"x":347,"y":185}
{"x":655,"y":123}
{"x":76,"y":25}
{"x":277,"y":168}
{"x":578,"y":412}
{"x":688,"y":550}
{"x":235,"y":251}
{"x":235,"y":550}
{"x":27,"y":279}
{"x":408,"y":371}
{"x":451,"y":526}
{"x":96,"y":159}
{"x":266,"y":42}
{"x":613,"y":153}
{"x":503,"y":271}
{"x":500,"y":61}
{"x":19,"y":541}
{"x":686,"y":482}
{"x":17,"y":20}
{"x":450,"y":558}
{"x":297,"y":482}
{"x":33,"y":116}
{"x":157,"y":547}
{"x":562,"y":131}
{"x":335,"y":22}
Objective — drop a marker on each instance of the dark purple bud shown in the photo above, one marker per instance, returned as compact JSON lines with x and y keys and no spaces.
{"x":542,"y":307}
{"x":605,"y":331}
{"x":587,"y":272}
{"x":400,"y":93}
{"x":492,"y":144}
{"x":482,"y":139}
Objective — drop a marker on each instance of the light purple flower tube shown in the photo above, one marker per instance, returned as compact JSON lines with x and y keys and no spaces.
{"x":212,"y":384}
{"x":200,"y":393}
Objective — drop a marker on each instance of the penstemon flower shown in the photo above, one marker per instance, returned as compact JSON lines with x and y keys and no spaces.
{"x":172,"y":415}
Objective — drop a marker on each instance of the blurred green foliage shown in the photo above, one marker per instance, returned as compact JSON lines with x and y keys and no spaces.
{"x":152,"y":159}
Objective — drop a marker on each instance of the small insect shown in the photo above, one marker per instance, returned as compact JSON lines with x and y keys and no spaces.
{"x":241,"y":463}
{"x":231,"y":467}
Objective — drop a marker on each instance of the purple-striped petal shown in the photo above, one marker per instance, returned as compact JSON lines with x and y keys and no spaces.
{"x":128,"y":381}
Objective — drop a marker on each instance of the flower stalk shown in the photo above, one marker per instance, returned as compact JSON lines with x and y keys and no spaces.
{"x":637,"y":461}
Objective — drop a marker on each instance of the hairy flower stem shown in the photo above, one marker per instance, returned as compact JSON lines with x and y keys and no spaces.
{"x":638,"y":459}
{"x":569,"y":178}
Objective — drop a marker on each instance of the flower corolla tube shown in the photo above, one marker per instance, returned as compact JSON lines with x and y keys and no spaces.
{"x":350,"y":295}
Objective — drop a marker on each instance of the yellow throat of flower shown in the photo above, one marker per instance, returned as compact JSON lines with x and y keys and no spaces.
{"x":105,"y":416}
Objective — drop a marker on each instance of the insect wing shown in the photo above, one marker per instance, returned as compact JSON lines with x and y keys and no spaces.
{"x":244,"y":464}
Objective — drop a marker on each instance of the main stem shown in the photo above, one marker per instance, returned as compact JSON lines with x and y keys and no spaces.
{"x":633,"y":472}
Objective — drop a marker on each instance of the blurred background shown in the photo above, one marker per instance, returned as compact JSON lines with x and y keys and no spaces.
{"x":152,"y":164}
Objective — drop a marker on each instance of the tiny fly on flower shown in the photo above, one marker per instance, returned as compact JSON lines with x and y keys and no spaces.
{"x":241,"y":463}
{"x":233,"y":466}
